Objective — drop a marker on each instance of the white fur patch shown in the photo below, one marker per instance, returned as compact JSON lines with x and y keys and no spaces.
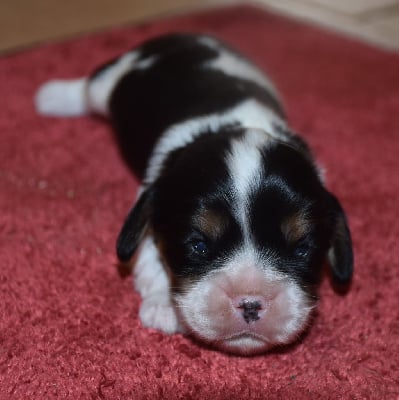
{"x":145,"y":63}
{"x":234,"y":65}
{"x":100,"y":88}
{"x":63,"y":98}
{"x":152,"y":282}
{"x":249,"y":114}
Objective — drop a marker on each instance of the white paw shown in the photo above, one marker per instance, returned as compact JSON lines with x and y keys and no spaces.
{"x":155,"y":313}
{"x":63,"y":98}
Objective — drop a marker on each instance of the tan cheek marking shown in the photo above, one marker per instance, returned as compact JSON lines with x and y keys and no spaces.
{"x":295,"y":227}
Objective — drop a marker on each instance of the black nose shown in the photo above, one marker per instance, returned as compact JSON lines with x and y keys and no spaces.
{"x":250,"y":310}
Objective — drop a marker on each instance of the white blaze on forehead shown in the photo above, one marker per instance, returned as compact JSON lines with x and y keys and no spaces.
{"x":249,"y":113}
{"x":245,"y":164}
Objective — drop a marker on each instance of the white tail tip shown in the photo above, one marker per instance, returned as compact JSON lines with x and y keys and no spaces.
{"x":62,"y":98}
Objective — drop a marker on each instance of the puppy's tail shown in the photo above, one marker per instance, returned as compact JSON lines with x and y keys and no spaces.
{"x":63,"y":98}
{"x":90,"y":94}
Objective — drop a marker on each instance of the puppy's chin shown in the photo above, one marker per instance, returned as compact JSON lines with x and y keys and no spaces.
{"x":244,"y":310}
{"x":244,"y":344}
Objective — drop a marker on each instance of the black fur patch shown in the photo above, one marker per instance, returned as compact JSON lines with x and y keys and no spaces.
{"x":175,"y":88}
{"x":291,"y":185}
{"x":195,"y":178}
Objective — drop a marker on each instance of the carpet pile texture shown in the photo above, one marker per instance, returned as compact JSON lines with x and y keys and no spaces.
{"x":68,"y":321}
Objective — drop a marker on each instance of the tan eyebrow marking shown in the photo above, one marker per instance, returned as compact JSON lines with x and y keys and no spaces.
{"x":295,"y":227}
{"x":211,"y":223}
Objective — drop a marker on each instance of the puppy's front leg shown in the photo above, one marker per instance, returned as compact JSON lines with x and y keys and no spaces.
{"x":153,"y":283}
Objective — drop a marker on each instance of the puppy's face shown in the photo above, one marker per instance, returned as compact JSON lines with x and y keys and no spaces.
{"x":243,"y":223}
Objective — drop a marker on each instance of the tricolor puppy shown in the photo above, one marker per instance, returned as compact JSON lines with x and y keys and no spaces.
{"x":233,"y":222}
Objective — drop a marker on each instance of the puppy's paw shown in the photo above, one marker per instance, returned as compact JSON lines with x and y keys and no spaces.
{"x":159,"y":314}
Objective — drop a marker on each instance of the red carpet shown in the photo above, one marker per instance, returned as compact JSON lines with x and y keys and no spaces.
{"x":69,"y":326}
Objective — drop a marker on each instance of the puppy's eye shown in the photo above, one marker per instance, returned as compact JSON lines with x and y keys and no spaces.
{"x":199,"y":247}
{"x":302,"y":250}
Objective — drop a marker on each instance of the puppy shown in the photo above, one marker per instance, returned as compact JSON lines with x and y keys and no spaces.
{"x":233,"y":222}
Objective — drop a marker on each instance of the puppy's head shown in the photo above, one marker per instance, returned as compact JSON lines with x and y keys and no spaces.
{"x":243,"y":224}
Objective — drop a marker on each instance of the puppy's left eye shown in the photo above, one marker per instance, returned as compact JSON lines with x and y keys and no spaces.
{"x":302,"y":250}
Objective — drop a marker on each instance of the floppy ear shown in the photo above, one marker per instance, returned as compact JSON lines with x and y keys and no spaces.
{"x":134,"y":227}
{"x":340,"y":254}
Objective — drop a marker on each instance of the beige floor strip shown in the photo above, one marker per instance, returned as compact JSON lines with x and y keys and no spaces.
{"x":27,"y":22}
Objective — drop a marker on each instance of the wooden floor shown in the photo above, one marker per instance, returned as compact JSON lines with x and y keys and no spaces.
{"x":27,"y":22}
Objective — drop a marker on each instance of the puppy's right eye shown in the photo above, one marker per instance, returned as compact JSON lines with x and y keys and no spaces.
{"x":199,"y":247}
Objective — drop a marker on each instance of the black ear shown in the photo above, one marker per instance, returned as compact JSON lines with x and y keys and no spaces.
{"x":134,"y":227}
{"x":340,"y":254}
